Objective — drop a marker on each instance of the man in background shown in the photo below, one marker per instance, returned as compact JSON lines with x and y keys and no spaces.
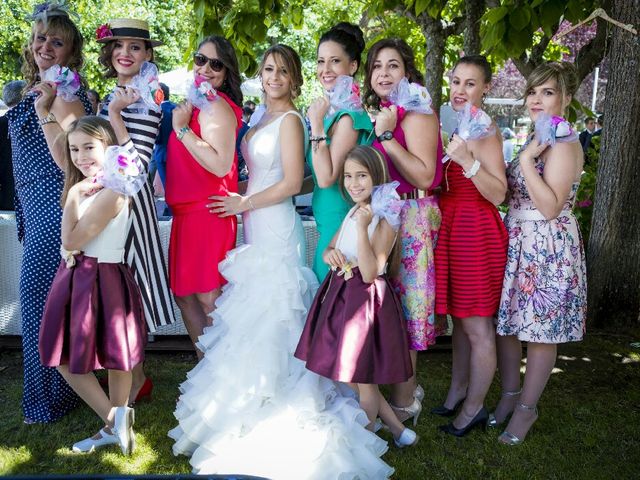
{"x":11,"y":96}
{"x":159,"y":158}
{"x":585,"y":135}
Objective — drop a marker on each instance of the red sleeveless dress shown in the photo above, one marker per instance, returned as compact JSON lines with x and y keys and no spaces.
{"x":471,"y":253}
{"x":199,"y":239}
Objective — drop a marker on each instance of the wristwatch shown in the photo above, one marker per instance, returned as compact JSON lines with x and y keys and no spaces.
{"x":386,"y":135}
{"x":50,"y":118}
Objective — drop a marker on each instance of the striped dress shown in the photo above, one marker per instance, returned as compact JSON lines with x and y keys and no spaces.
{"x":143,"y":249}
{"x":471,"y":253}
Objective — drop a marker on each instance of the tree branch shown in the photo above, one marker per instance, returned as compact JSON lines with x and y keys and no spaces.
{"x":593,"y":52}
{"x":526,"y":63}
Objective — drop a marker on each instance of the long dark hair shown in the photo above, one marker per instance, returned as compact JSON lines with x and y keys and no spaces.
{"x":371,"y":98}
{"x":227,"y":55}
{"x":350,"y":37}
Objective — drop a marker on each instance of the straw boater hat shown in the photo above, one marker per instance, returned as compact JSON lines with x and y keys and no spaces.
{"x":125,"y":28}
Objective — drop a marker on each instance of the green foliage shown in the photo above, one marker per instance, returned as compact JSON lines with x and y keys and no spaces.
{"x":508,"y":29}
{"x":583,"y":209}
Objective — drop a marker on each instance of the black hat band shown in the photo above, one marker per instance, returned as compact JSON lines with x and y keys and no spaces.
{"x":131,"y":32}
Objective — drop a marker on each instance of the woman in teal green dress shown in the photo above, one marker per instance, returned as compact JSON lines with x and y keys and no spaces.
{"x":338,"y":123}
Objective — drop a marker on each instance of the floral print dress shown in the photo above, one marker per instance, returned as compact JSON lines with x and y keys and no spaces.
{"x":544,"y":294}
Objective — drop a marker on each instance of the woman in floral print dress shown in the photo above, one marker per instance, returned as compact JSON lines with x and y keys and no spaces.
{"x":544,"y":295}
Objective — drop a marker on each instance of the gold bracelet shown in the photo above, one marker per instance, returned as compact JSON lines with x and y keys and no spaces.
{"x":49,"y":118}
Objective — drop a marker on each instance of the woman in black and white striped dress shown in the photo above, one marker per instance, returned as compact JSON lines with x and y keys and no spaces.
{"x":126,"y":46}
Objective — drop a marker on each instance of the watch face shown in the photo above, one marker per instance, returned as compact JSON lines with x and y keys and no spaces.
{"x":388,"y":135}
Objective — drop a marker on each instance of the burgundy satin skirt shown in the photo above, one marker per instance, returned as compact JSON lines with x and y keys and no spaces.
{"x":355,"y":332}
{"x":93,"y":318}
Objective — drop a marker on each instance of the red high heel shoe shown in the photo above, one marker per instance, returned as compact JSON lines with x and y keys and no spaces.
{"x":144,"y":394}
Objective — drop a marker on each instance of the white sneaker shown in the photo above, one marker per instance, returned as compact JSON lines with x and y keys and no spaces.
{"x":123,"y":429}
{"x":406,"y":439}
{"x":89,"y":445}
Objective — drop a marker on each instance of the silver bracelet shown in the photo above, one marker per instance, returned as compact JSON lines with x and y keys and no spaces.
{"x":473,"y":170}
{"x":250,"y":203}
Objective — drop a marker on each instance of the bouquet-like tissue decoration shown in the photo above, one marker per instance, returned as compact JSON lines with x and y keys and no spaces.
{"x":123,"y":171}
{"x":473,"y":124}
{"x":201,"y":93}
{"x":345,"y":96}
{"x":146,"y":82}
{"x":386,"y":203}
{"x":67,"y":81}
{"x":551,"y":129}
{"x":412,"y":97}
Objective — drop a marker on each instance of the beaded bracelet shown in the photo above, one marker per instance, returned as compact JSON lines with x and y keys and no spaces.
{"x":182,"y":132}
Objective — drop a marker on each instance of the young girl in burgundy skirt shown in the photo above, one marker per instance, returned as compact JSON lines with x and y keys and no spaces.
{"x":355,"y":331}
{"x":93,"y":317}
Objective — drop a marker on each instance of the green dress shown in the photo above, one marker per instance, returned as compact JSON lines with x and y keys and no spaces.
{"x":329,"y":207}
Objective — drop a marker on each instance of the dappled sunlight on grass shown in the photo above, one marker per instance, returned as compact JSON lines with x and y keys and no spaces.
{"x":11,"y":459}
{"x":142,"y":460}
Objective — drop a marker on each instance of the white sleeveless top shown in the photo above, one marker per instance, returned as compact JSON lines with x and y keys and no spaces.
{"x":108,"y":245}
{"x":347,"y":241}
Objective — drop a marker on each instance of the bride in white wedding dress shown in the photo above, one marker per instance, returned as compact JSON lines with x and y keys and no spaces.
{"x":249,"y":407}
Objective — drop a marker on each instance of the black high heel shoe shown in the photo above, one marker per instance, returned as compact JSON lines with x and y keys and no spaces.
{"x":479,"y":420}
{"x":447,"y":412}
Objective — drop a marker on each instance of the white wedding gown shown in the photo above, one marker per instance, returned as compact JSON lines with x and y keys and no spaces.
{"x":249,"y":407}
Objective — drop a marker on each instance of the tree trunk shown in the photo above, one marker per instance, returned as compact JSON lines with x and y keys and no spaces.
{"x":434,"y":65}
{"x":473,"y":11}
{"x":614,"y":244}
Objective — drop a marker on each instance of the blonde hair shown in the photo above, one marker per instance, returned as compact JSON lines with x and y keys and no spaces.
{"x":61,"y":25}
{"x":564,"y":73}
{"x":93,"y":126}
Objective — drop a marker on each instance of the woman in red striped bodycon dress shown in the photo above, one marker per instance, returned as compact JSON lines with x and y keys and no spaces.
{"x":471,"y":253}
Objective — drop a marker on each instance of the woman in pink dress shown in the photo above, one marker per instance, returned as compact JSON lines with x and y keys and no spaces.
{"x":201,"y":162}
{"x":411,"y":145}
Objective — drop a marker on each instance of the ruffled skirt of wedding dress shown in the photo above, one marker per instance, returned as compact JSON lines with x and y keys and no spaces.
{"x":249,"y":407}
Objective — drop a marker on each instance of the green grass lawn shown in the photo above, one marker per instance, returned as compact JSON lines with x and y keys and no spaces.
{"x":589,"y":425}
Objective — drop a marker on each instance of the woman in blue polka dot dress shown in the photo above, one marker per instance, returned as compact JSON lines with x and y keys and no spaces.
{"x":34,"y":125}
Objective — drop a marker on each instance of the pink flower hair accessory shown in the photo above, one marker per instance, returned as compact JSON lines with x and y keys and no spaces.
{"x":103,"y":31}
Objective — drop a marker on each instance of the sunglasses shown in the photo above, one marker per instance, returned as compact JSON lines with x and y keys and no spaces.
{"x":215,"y":63}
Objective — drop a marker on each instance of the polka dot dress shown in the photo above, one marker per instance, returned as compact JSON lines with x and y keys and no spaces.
{"x":46,"y":396}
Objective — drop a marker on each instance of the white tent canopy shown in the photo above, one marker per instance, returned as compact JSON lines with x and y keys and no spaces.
{"x":177,"y":80}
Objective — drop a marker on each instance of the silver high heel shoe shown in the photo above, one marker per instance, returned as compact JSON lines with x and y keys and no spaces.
{"x":509,"y":438}
{"x":492,"y":422}
{"x":419,"y":393}
{"x":411,"y":411}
